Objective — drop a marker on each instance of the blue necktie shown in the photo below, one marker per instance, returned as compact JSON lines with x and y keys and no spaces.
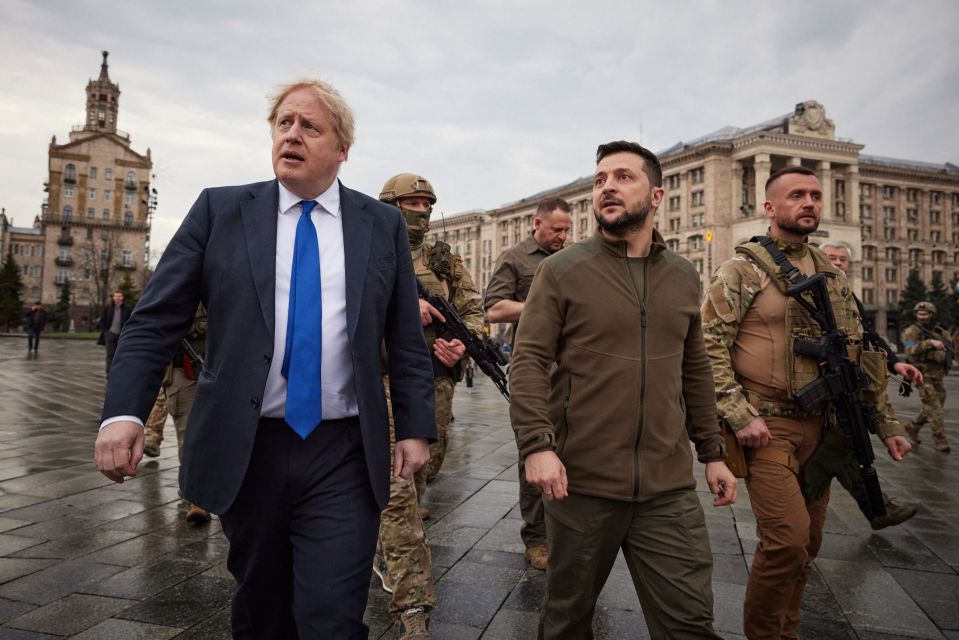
{"x":304,"y":338}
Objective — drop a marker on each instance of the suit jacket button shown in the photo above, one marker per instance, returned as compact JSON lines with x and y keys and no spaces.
{"x":255,"y":403}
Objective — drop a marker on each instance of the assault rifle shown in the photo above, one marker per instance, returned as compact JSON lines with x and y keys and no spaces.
{"x":839,"y":382}
{"x":486,"y":356}
{"x":194,"y":359}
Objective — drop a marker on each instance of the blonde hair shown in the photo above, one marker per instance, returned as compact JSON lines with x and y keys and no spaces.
{"x":343,"y":124}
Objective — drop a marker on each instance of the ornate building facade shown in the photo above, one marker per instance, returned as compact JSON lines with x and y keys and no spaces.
{"x":94,"y":227}
{"x":895,"y":215}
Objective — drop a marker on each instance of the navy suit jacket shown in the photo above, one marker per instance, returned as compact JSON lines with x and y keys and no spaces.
{"x":224,"y":254}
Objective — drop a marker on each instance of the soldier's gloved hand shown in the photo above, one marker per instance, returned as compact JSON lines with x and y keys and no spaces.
{"x":545,"y":470}
{"x":755,"y":434}
{"x":449,"y":352}
{"x":909,"y":372}
{"x":898,"y":447}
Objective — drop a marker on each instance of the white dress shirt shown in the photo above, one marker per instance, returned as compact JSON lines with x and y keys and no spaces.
{"x":339,"y":395}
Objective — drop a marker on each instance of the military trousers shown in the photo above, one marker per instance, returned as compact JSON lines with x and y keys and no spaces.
{"x":666,"y":546}
{"x":402,"y":541}
{"x":175,"y":399}
{"x":932,"y":392}
{"x":443,"y":388}
{"x":789,"y":528}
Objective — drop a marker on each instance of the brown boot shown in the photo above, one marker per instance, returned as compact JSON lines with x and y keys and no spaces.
{"x":151,"y":449}
{"x":424,"y":513}
{"x":197,"y":515}
{"x":413,"y":624}
{"x":941,"y":445}
{"x":913,"y":432}
{"x":538,"y":556}
{"x":895,"y":514}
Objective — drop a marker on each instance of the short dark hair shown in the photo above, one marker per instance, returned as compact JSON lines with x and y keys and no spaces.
{"x":801,"y":170}
{"x":651,"y":166}
{"x":546,"y":206}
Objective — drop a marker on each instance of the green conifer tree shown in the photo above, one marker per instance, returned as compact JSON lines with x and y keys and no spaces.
{"x":11,"y":294}
{"x":60,"y":318}
{"x":130,"y":293}
{"x":914,"y":292}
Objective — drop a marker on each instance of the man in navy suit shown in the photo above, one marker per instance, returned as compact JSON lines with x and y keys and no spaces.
{"x":300,"y":507}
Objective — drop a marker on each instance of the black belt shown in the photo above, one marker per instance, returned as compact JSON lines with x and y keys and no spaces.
{"x":278,"y":423}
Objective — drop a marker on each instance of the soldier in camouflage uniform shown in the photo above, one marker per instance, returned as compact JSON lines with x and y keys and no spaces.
{"x":750,"y":325}
{"x":928,"y":347}
{"x":176,"y":399}
{"x":403,"y":562}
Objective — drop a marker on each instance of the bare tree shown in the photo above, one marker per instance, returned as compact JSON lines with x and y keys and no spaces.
{"x":100,"y":256}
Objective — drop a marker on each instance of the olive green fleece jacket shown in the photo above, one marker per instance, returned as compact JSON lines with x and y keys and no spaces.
{"x":632,"y":384}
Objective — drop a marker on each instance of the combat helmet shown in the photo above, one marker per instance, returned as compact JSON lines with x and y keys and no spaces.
{"x":924,"y":306}
{"x":407,"y":185}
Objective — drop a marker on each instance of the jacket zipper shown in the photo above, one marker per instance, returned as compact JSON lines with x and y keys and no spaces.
{"x":642,"y":375}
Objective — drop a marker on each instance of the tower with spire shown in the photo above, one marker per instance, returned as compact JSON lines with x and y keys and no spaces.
{"x":103,"y":101}
{"x":97,"y":216}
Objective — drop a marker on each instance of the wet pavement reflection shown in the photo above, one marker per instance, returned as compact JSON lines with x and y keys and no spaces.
{"x":81,"y":557}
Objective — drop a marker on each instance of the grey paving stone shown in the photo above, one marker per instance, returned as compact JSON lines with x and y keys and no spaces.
{"x":936,"y":595}
{"x":135,"y":551}
{"x":113,"y":629}
{"x":184,"y":605}
{"x":17,"y":634}
{"x":70,"y":615}
{"x":873,"y":601}
{"x":529,"y":593}
{"x":466,"y":604}
{"x":10,"y":609}
{"x":146,"y":580}
{"x":57,"y":581}
{"x":508,"y":624}
{"x":448,"y":631}
{"x":75,"y":545}
{"x":13,"y":568}
{"x":214,"y":627}
{"x":486,"y":575}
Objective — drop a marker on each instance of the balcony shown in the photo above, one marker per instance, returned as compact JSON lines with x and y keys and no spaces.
{"x":63,"y":262}
{"x":65,"y":241}
{"x":125,"y":267}
{"x":130,"y":185}
{"x":69,"y":179}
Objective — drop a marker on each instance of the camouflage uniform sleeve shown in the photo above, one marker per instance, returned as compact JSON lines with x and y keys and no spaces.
{"x":731,"y":290}
{"x":913,"y":342}
{"x":502,"y":283}
{"x":465,"y":298}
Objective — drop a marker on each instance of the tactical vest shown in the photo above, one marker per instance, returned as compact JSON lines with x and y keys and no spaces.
{"x":802,"y":370}
{"x":935,"y":356}
{"x":433,"y":265}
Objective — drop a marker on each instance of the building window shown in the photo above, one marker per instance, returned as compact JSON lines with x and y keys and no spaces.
{"x":867,"y":233}
{"x":696,"y":243}
{"x":91,"y":194}
{"x":888,"y":193}
{"x":912,"y":215}
{"x":867,"y":274}
{"x":672,"y":182}
{"x":93,"y":173}
{"x":108,"y":173}
{"x":106,"y":214}
{"x":697,"y":198}
{"x":673,"y":245}
{"x":840,"y":188}
{"x":915,"y":257}
{"x":892,"y":296}
{"x":698,"y":175}
{"x":938,"y":257}
{"x":840,"y":209}
{"x":912,"y":195}
{"x":892,"y":253}
{"x":934,"y":236}
{"x":106,"y":195}
{"x":128,"y":259}
{"x":64,"y":253}
{"x":865,"y":190}
{"x":68,"y":213}
{"x":955,"y":199}
{"x":26,"y":271}
{"x":68,"y":192}
{"x":91,"y":213}
{"x":36,"y":271}
{"x":868,"y":252}
{"x":912,"y":234}
{"x":70,"y":173}
{"x":89,"y":233}
{"x":935,"y":196}
{"x":698,"y":264}
{"x":955,"y":218}
{"x":867,"y":296}
{"x":674,"y":202}
{"x":128,"y":222}
{"x":16,"y":249}
{"x":889,"y":214}
{"x":889,"y":233}
{"x":865,"y":211}
{"x":935,"y":217}
{"x":697,"y":220}
{"x":674,"y":224}
{"x":38,"y":250}
{"x":891,"y":275}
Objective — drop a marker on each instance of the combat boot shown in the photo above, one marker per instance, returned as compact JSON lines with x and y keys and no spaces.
{"x":151,"y":449}
{"x":941,"y":445}
{"x":413,"y":624}
{"x":895,"y":514}
{"x":538,"y":556}
{"x":913,"y":432}
{"x":197,"y":515}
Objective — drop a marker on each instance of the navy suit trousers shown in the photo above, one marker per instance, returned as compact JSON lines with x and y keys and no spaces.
{"x":302,"y":535}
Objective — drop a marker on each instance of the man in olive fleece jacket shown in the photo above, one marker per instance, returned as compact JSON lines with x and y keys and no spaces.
{"x":605,"y":435}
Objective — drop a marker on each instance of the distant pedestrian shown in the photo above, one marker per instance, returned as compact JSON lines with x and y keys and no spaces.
{"x":34,"y":320}
{"x":112,"y":319}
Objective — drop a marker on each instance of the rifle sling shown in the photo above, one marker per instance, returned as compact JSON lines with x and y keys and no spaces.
{"x":789,"y":270}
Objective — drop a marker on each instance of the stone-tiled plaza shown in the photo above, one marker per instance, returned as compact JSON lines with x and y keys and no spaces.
{"x":81,"y":557}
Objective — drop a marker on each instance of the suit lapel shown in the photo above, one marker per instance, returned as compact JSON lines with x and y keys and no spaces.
{"x":357,"y":237}
{"x":258,"y":213}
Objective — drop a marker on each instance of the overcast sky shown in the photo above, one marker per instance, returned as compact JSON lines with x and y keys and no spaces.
{"x":491,"y":101}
